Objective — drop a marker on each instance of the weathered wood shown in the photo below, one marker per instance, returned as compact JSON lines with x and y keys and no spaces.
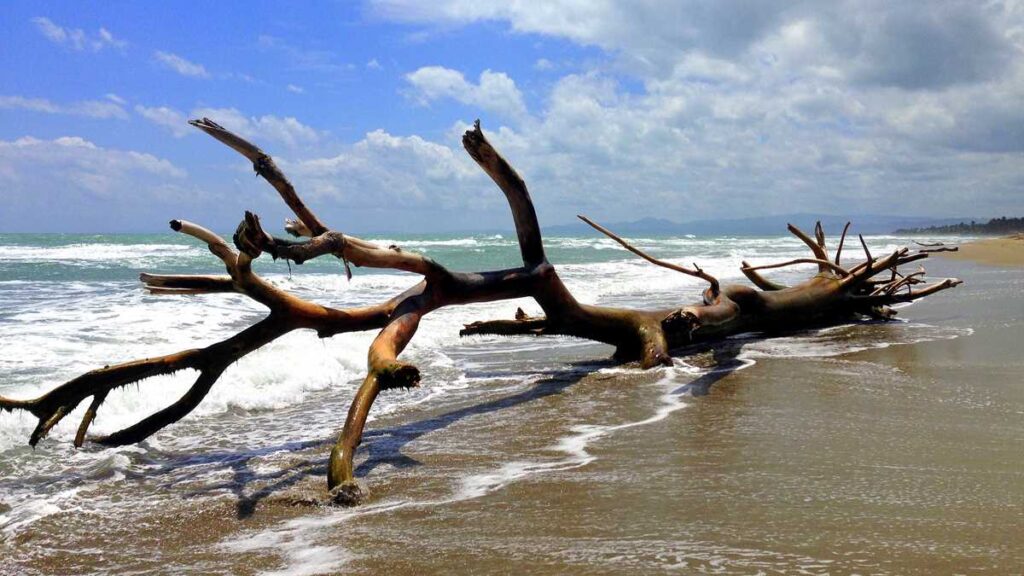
{"x":835,"y":294}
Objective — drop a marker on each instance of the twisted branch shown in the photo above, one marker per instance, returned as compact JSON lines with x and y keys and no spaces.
{"x":645,"y":336}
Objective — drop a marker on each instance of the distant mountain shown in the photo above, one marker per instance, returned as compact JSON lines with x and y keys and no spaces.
{"x":757,"y":226}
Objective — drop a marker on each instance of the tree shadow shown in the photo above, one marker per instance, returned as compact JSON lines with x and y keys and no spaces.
{"x":387,"y":443}
{"x":726,"y":361}
{"x":384,"y":446}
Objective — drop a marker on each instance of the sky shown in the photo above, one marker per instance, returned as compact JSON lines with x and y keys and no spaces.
{"x":621,"y":110}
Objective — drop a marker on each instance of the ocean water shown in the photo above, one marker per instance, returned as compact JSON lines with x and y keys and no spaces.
{"x":71,"y":303}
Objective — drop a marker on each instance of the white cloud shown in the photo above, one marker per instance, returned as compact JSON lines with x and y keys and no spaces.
{"x":296,"y":89}
{"x":165,"y":117}
{"x":396,"y":171}
{"x":181,"y":65}
{"x":262,"y":130}
{"x":737,"y":108}
{"x":543,"y":65}
{"x":76,"y":38}
{"x":107,"y":38}
{"x":495,"y":91}
{"x":885,"y":43}
{"x":688,"y":110}
{"x":72,"y":166}
{"x":373,"y":64}
{"x":242,"y":77}
{"x":267,"y":128}
{"x":70,"y":183}
{"x":87,"y":108}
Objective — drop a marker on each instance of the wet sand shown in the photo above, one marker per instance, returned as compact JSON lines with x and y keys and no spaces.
{"x":900,"y":460}
{"x":1006,"y":251}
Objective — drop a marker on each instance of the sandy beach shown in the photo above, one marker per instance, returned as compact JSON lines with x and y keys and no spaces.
{"x":400,"y":288}
{"x":1005,"y":251}
{"x":895,"y":459}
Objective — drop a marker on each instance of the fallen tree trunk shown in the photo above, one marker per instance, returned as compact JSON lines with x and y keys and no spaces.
{"x":834,"y":295}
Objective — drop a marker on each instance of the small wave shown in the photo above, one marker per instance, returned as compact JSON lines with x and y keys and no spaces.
{"x":474,"y":241}
{"x":76,"y":253}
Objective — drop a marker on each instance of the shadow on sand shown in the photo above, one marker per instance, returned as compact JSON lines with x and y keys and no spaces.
{"x":382,"y":446}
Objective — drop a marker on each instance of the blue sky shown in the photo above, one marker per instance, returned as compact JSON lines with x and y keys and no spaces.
{"x":622,"y":110}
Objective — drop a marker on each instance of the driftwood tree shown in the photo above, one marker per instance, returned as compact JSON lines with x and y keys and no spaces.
{"x":836,"y":294}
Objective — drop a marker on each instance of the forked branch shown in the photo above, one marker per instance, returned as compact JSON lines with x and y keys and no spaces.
{"x":836,"y":294}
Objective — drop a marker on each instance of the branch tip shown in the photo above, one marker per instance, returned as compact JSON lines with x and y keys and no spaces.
{"x":698,"y":273}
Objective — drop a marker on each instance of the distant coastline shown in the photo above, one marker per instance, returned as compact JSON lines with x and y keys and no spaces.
{"x":995,"y":227}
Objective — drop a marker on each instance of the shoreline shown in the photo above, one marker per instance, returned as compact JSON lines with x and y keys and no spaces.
{"x":1003,"y":251}
{"x":899,"y":457}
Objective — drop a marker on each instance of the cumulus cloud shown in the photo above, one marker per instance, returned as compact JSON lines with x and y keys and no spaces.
{"x":685,"y":109}
{"x":875,"y":42}
{"x":734,"y":108}
{"x":395,"y":171}
{"x":76,"y":38}
{"x":265,"y":129}
{"x":180,"y":65}
{"x":84,"y":158}
{"x":88,"y":108}
{"x":652,"y":32}
{"x":495,"y":92}
{"x":68,"y":177}
{"x":71,"y":183}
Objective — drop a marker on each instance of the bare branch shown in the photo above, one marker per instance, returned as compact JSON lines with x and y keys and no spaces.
{"x":842,"y":239}
{"x":519,"y":326}
{"x":758,"y":280}
{"x":186,"y":284}
{"x":816,"y":249}
{"x":88,"y":418}
{"x":910,"y":296}
{"x":506,"y":177}
{"x":360,"y":252}
{"x":696,"y":273}
{"x":264,"y":166}
{"x":385,"y":371}
{"x":867,"y":253}
{"x":821,"y":263}
{"x":217,"y":244}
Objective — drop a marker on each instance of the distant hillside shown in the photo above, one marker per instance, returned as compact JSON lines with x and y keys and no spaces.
{"x":996,"y":226}
{"x":758,"y":226}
